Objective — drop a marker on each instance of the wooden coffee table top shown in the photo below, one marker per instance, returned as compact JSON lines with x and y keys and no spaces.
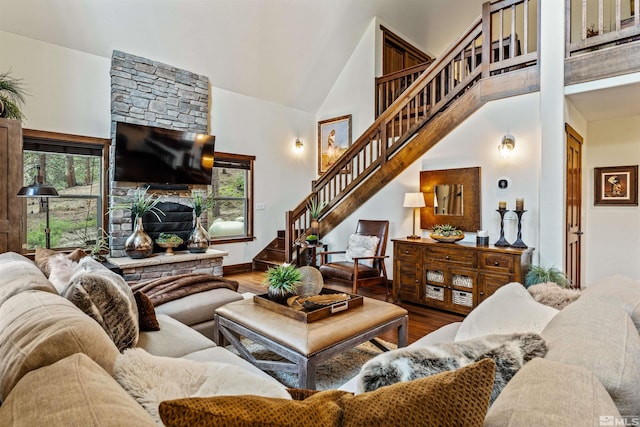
{"x":310,"y":338}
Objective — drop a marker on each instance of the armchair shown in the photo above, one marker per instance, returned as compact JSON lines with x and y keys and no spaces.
{"x":364,"y":257}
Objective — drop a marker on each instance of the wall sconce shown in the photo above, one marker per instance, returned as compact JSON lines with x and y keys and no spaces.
{"x":415,"y":201}
{"x":299,"y":145}
{"x":507,"y":145}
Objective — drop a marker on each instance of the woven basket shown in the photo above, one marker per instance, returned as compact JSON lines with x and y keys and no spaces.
{"x":311,"y":282}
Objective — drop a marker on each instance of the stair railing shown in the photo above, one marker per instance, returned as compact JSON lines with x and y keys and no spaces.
{"x":475,"y":55}
{"x":390,"y":86}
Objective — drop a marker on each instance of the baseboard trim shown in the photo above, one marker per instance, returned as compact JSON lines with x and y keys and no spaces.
{"x":237,"y":268}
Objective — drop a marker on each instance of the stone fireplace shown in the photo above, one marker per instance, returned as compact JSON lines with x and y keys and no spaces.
{"x":150,"y":93}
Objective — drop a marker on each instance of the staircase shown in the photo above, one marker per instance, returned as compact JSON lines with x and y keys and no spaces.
{"x":272,"y":255}
{"x":474,"y":70}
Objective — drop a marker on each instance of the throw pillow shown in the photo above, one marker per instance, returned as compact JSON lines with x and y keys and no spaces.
{"x":43,"y":255}
{"x":553,"y":295}
{"x":74,"y":391}
{"x":61,"y":269}
{"x":457,"y":398}
{"x":361,"y":246}
{"x":146,"y":313}
{"x":108,"y":299}
{"x":547,"y":393}
{"x":510,"y":353}
{"x":151,"y":379}
{"x":19,"y":274}
{"x":511,"y":309}
{"x":40,"y":328}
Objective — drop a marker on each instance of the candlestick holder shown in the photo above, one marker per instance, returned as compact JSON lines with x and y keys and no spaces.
{"x":519,"y":243}
{"x":502,"y":241}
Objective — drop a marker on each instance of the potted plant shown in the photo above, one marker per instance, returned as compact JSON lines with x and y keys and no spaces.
{"x":539,"y":274}
{"x":139,"y":244}
{"x":281,"y":281}
{"x":169,"y":241}
{"x":198,"y":241}
{"x":12,"y":95}
{"x":446,"y":233}
{"x":314,"y":206}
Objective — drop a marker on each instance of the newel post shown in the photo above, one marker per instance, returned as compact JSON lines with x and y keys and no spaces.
{"x":486,"y":39}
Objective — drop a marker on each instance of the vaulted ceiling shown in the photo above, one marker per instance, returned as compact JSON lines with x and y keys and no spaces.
{"x":286,"y":51}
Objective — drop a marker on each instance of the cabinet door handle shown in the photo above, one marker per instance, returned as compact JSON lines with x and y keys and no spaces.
{"x":446,"y":257}
{"x":406,"y":252}
{"x":496,"y":263}
{"x":481,"y":293}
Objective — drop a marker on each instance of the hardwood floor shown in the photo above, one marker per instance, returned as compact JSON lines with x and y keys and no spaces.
{"x":422,"y":320}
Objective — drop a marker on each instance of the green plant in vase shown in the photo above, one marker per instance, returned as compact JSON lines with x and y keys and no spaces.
{"x":314,"y":207}
{"x":198,"y":241}
{"x":139,"y":244}
{"x":281,"y":281}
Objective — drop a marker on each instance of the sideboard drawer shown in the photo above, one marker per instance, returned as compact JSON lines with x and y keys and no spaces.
{"x":498,"y":262}
{"x":449,"y":256}
{"x":408,"y":252}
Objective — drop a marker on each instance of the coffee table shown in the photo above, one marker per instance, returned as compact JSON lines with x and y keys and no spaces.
{"x":306,"y":345}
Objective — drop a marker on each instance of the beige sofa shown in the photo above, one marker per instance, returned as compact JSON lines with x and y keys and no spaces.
{"x":591,"y":372}
{"x":56,"y":363}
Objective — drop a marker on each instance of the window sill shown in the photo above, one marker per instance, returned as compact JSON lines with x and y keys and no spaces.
{"x":232,"y":240}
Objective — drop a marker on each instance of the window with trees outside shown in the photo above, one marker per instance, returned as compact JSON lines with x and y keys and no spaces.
{"x":231,"y":217}
{"x":75,"y":170}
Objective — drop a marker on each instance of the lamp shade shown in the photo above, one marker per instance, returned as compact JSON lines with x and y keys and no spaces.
{"x":38,"y":190}
{"x":414,"y":200}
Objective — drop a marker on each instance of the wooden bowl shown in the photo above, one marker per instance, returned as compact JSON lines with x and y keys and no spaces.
{"x":446,"y":239}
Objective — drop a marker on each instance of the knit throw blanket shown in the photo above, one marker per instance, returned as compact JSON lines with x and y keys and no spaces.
{"x":165,"y":289}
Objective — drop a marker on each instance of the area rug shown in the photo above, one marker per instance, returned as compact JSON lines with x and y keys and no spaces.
{"x":331,"y":374}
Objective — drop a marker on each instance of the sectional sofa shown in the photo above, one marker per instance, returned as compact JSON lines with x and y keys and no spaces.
{"x":590,"y":375}
{"x":57,"y":363}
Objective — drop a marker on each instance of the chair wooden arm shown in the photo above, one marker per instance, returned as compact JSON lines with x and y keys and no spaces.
{"x":323,"y":255}
{"x":371,"y":257}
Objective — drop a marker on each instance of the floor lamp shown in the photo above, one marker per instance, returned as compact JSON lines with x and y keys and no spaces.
{"x":415,"y":201}
{"x":44,"y":191}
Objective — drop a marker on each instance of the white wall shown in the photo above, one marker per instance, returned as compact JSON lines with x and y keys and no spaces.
{"x":612,"y":233}
{"x":70,"y":93}
{"x":246,"y":125}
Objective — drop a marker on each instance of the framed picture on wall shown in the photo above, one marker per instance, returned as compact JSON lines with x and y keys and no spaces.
{"x":334,"y":138}
{"x":616,"y":185}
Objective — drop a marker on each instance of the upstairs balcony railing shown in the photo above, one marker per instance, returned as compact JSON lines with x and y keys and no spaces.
{"x":502,"y":40}
{"x":597,"y":24}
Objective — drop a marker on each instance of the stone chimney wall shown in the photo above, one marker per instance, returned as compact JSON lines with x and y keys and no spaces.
{"x":150,"y":93}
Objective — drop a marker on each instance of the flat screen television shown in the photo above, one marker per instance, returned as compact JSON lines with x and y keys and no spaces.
{"x":153,"y":155}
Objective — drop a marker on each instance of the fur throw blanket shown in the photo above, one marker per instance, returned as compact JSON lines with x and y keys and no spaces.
{"x":165,"y":289}
{"x":152,"y":379}
{"x":510,"y":353}
{"x":553,"y":295}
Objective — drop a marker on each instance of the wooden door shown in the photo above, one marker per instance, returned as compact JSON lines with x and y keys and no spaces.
{"x":11,"y":207}
{"x":398,"y":54}
{"x":574,"y":206}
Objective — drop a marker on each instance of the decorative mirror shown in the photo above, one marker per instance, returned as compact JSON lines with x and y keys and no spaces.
{"x":452,"y":197}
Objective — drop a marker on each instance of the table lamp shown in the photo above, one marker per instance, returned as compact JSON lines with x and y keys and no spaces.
{"x":415,"y":201}
{"x":44,"y":191}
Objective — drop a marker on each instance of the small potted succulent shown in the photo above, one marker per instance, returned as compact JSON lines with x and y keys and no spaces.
{"x":281,"y":281}
{"x":168,"y":241}
{"x":446,"y":233}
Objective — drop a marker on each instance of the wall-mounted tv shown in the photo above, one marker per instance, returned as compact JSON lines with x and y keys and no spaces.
{"x":153,"y":155}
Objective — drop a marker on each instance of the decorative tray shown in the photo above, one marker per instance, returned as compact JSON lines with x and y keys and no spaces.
{"x":310,"y":312}
{"x":447,"y":239}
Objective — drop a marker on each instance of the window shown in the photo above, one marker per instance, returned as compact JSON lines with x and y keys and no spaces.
{"x":74,"y":166}
{"x":232,"y":189}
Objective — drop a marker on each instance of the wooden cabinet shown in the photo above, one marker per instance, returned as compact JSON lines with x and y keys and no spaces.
{"x":11,"y":207}
{"x":453,"y":276}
